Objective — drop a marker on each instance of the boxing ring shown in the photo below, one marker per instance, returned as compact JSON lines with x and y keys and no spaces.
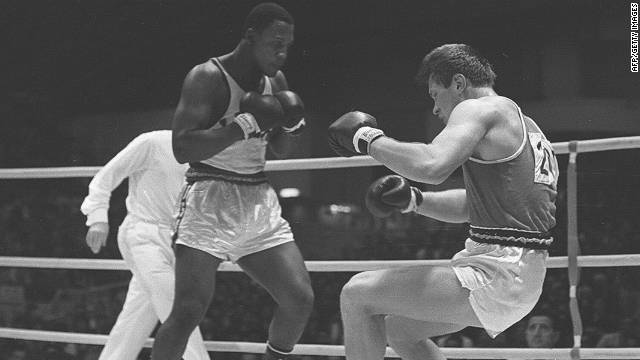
{"x":572,"y":262}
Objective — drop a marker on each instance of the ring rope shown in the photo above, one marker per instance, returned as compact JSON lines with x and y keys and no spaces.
{"x":620,"y":143}
{"x":554,"y":262}
{"x":573,"y":249}
{"x":572,"y":262}
{"x":338,"y":350}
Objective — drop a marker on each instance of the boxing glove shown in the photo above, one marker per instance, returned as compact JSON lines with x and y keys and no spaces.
{"x":293,"y":108}
{"x":353,"y":133}
{"x":392,"y":193}
{"x":258,"y":114}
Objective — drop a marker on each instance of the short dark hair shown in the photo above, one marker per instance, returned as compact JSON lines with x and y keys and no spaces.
{"x":447,"y":60}
{"x":262,"y":15}
{"x":542,"y":314}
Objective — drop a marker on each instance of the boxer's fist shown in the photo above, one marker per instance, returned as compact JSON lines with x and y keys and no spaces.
{"x":293,"y":108}
{"x":352,"y":133}
{"x":390,"y":194}
{"x":258,"y":113}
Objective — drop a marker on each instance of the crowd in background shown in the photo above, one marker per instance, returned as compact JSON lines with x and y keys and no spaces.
{"x":81,"y":59}
{"x":46,"y":222}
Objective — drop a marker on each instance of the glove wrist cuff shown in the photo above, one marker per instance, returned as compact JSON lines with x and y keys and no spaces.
{"x":416,"y":200}
{"x":363,"y":138}
{"x":247,"y":123}
{"x":295,"y":129}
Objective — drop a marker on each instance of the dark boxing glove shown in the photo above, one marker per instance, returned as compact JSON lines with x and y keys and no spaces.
{"x":352,"y":133}
{"x":392,"y":193}
{"x":293,"y":108}
{"x":258,"y":113}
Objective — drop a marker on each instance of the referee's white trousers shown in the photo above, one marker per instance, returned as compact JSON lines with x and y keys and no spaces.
{"x":146,"y":248}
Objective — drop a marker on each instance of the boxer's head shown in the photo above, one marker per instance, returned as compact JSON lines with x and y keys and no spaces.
{"x":269,"y":30}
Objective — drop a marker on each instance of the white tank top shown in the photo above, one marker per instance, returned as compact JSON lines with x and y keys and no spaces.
{"x":244,"y":156}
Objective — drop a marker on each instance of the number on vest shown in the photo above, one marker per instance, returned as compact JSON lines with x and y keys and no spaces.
{"x":546,"y":167}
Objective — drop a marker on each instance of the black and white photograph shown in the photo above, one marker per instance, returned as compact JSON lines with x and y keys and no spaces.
{"x":319,"y":179}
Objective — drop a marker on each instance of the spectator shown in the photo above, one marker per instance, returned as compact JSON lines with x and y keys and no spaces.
{"x":18,"y":352}
{"x":541,"y":331}
{"x":455,"y":340}
{"x":626,"y":336}
{"x":591,"y":336}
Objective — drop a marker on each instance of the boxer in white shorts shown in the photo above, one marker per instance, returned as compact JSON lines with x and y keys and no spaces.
{"x":230,"y":219}
{"x":231,"y":109}
{"x":510,"y":175}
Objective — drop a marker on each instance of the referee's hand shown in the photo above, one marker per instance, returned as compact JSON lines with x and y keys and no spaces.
{"x":97,"y":236}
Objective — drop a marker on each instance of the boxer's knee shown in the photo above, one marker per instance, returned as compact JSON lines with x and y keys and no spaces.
{"x":298,"y":299}
{"x":357,"y":289}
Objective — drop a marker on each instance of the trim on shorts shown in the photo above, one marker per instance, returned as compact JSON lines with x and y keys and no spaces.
{"x":182,"y":207}
{"x":201,"y":172}
{"x":511,"y":237}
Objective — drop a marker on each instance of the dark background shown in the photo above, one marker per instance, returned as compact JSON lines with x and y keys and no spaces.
{"x":80,"y":79}
{"x":66,"y":62}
